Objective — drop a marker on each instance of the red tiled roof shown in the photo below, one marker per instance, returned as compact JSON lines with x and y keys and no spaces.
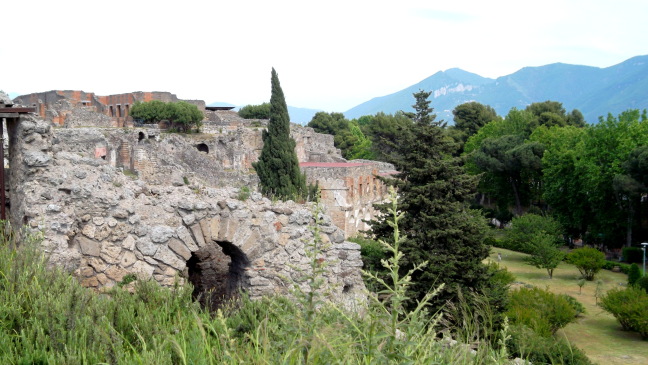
{"x":332,"y":164}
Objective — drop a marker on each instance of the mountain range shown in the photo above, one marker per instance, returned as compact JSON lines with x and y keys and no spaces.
{"x":592,"y":90}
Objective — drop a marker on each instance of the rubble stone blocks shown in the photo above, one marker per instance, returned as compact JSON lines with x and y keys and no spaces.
{"x":94,"y":214}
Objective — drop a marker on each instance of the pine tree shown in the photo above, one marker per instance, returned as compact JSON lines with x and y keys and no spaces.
{"x":434,"y":192}
{"x":278,"y":166}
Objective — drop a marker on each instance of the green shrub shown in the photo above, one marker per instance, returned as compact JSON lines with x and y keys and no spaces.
{"x":500,"y":274}
{"x":244,"y":193}
{"x":540,"y":310}
{"x":630,"y":307}
{"x":642,"y":283}
{"x":634,"y":275}
{"x":632,"y":254}
{"x":588,"y":260}
{"x":575,"y":304}
{"x":372,"y":253}
{"x":261,"y":111}
{"x":610,"y":265}
{"x":526,"y":228}
{"x":536,"y":349}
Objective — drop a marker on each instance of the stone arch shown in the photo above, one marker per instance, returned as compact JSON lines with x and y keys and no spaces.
{"x":218,"y":268}
{"x":217,"y":273}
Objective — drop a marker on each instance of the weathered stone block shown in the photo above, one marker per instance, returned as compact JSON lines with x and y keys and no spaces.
{"x":86,"y":271}
{"x":90,"y":282}
{"x":127,"y":259}
{"x":161,"y":234}
{"x":165,"y":255}
{"x":142,"y":269}
{"x":116,"y":273}
{"x":180,"y":248}
{"x":189,"y":219}
{"x":36,"y":159}
{"x":102,"y":233}
{"x":97,"y":263}
{"x":198,"y":235}
{"x":215,"y":225}
{"x":205,"y":226}
{"x":88,"y":247}
{"x":146,"y":247}
{"x":110,"y":253}
{"x":185,"y":236}
{"x":102,"y":278}
{"x":89,"y":230}
{"x":129,"y":243}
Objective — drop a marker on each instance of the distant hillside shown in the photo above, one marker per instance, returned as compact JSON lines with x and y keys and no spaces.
{"x":594,"y":91}
{"x":297,"y":115}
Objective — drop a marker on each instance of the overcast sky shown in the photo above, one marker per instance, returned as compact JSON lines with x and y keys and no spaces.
{"x":330,"y":55}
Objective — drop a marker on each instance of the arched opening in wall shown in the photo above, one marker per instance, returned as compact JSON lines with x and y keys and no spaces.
{"x":140,"y":136}
{"x":217,"y":272}
{"x":202,"y":147}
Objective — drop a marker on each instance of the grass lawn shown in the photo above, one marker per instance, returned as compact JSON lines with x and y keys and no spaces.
{"x":597,"y":333}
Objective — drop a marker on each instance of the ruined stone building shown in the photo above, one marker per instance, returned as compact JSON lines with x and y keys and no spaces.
{"x":115,"y":201}
{"x":72,"y":108}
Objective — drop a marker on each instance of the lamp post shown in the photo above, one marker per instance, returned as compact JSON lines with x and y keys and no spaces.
{"x":643,"y":248}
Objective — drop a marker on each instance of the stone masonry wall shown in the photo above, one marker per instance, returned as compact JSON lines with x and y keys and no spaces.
{"x":104,"y":224}
{"x":349,"y":191}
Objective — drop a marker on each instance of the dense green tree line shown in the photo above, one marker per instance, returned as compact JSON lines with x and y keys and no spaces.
{"x":589,"y":177}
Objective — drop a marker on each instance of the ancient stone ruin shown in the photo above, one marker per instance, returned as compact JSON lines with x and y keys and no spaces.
{"x":114,"y":201}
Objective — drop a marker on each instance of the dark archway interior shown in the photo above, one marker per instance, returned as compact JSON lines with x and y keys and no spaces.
{"x":140,"y":136}
{"x":216,"y":272}
{"x":202,"y":147}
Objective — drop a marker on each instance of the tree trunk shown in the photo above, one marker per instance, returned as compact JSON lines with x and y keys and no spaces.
{"x":629,"y":223}
{"x":518,"y":204}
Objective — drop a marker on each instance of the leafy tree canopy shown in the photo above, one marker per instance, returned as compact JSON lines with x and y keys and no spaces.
{"x":181,"y":114}
{"x":470,"y":117}
{"x":261,"y":111}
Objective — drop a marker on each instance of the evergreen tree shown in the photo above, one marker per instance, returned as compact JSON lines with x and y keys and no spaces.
{"x":434,"y":193}
{"x":278,"y":167}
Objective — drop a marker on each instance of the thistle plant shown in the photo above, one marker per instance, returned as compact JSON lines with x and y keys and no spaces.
{"x":403,"y":324}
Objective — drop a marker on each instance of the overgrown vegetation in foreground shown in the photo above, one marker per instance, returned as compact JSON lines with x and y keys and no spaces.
{"x":47,"y":317}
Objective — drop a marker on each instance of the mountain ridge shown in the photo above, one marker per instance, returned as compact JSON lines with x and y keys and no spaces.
{"x":593,"y":90}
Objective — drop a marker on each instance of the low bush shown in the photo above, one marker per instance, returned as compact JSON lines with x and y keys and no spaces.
{"x":642,"y":283}
{"x":588,"y":260}
{"x":526,"y":228}
{"x":634,"y":274}
{"x":630,"y":307}
{"x":536,"y":349}
{"x":632,"y":254}
{"x":577,"y":306}
{"x":610,"y":265}
{"x":540,"y":310}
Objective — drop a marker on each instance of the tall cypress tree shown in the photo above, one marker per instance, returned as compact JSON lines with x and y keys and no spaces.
{"x":434,"y":193}
{"x":278,"y":166}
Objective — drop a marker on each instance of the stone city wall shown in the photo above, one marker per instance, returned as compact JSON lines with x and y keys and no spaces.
{"x":104,"y":224}
{"x":349,"y":191}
